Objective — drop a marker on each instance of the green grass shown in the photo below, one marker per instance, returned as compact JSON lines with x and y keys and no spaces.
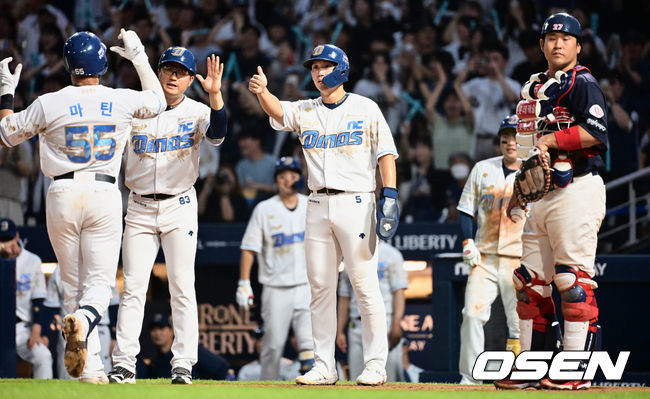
{"x":162,"y":389}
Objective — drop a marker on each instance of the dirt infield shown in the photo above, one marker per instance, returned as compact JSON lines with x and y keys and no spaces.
{"x":431,"y":387}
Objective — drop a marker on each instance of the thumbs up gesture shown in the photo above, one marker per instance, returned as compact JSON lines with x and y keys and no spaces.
{"x":258,"y":82}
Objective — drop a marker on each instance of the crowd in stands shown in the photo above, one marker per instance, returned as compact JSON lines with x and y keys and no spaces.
{"x":444,"y":73}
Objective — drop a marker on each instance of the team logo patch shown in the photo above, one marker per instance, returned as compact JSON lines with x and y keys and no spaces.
{"x":317,"y":50}
{"x":596,"y":111}
{"x":178,"y":51}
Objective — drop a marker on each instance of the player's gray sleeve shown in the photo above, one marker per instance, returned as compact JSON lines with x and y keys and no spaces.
{"x":150,"y":81}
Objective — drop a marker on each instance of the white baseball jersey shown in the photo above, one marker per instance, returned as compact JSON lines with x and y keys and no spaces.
{"x":30,"y":283}
{"x":277,"y":235}
{"x":341,"y":145}
{"x":162,"y":156}
{"x":81,"y":127}
{"x":485,"y":197}
{"x":392,"y":277}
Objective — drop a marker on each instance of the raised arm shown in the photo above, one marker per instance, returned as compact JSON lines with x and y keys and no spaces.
{"x":270,"y":103}
{"x":133,"y":51}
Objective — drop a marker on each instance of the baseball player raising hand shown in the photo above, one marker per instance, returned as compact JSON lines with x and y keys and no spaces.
{"x":82,"y":131}
{"x":162,"y":164}
{"x":343,"y":136}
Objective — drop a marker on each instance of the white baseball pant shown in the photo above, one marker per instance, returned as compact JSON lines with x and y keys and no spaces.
{"x":84,"y":223}
{"x":485,"y":282}
{"x":343,"y":225}
{"x":283,"y":307}
{"x":394,"y":365}
{"x":39,"y":356}
{"x":173,"y":224}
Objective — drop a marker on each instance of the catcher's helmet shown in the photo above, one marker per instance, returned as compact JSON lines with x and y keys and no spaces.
{"x":179,"y":55}
{"x":330,"y":52}
{"x":562,"y":22}
{"x":289,"y":163}
{"x":509,"y":124}
{"x":84,"y":55}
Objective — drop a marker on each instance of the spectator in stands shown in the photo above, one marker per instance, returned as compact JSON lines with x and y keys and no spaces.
{"x":255,"y":169}
{"x":220,"y":199}
{"x":423,"y":194}
{"x":15,"y":168}
{"x":492,"y":97}
{"x":379,"y":85}
{"x":209,"y":366}
{"x":535,"y":62}
{"x":450,"y":130}
{"x":622,"y":127}
{"x":460,"y":164}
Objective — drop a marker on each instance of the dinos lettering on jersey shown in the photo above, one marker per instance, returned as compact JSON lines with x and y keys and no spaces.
{"x":280,"y":239}
{"x":143,"y":144}
{"x":23,"y":283}
{"x":352,"y":136}
{"x":487,"y":202}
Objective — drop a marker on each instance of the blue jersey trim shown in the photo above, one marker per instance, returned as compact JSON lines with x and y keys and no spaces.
{"x":4,"y":137}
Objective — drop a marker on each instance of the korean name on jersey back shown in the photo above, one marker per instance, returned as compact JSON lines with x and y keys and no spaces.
{"x":143,"y":144}
{"x":353,"y":136}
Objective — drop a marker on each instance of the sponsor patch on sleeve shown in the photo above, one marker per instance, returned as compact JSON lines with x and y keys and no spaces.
{"x":596,"y":111}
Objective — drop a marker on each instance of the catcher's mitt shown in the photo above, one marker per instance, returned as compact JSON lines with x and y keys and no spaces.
{"x":533,"y":180}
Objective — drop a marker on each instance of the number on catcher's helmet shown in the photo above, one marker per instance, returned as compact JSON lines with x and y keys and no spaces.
{"x":562,"y":22}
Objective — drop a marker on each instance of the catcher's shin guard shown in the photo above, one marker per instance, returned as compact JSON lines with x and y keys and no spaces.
{"x":535,"y":308}
{"x":579,"y":307}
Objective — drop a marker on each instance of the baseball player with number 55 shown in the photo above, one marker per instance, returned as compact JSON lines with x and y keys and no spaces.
{"x":82,"y":130}
{"x":162,"y":164}
{"x":562,"y":131}
{"x":344,"y":136}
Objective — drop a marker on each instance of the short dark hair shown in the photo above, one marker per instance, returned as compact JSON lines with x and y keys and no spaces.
{"x":499,"y":48}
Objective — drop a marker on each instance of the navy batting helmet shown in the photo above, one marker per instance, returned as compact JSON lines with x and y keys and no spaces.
{"x":330,"y":52}
{"x":562,"y":22}
{"x":509,"y":124}
{"x":179,"y":55}
{"x":84,"y":55}
{"x":289,"y":163}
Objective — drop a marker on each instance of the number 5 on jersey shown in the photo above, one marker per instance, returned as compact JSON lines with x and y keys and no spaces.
{"x":82,"y":146}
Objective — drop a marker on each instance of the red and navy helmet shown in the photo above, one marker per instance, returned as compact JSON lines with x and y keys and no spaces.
{"x":330,"y":52}
{"x":562,"y":22}
{"x":179,"y":55}
{"x":84,"y":55}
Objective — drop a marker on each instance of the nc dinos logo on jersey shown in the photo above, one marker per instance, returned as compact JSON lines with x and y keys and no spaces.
{"x":353,"y":136}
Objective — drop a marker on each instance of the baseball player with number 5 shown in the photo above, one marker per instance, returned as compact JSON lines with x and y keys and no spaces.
{"x":162,"y":164}
{"x":276,"y":233}
{"x":494,"y":253}
{"x":82,"y":131}
{"x":344,"y":136}
{"x":563,"y":121}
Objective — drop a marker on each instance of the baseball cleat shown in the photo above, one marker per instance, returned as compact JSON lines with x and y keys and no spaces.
{"x":315,"y":377}
{"x":120,"y":375}
{"x":99,"y":379}
{"x":372,"y":376}
{"x":181,"y":376}
{"x":507,"y":383}
{"x":74,"y":358}
{"x":547,"y":383}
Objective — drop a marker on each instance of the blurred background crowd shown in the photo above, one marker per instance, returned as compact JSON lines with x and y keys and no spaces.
{"x":444,"y":73}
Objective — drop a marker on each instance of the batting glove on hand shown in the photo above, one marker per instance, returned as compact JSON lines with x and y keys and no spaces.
{"x":133,"y":49}
{"x":9,"y":81}
{"x":387,"y":213}
{"x":245,"y":294}
{"x":471,"y":255}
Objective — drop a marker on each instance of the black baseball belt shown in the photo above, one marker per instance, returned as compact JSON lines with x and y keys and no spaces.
{"x":329,"y":191}
{"x":158,"y":197}
{"x":98,"y":177}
